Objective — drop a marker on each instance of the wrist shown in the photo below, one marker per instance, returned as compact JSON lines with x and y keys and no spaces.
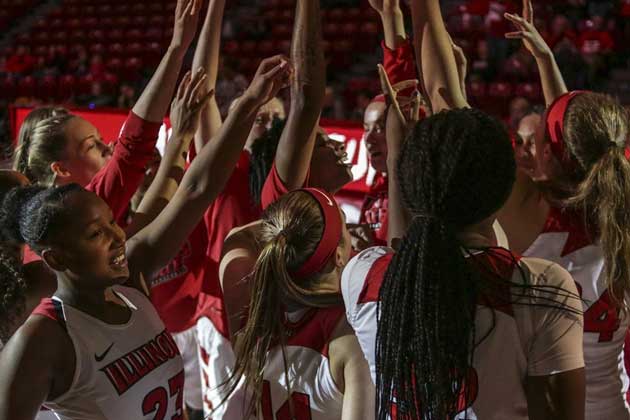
{"x":176,"y":49}
{"x":546,"y":55}
{"x":391,"y":13}
{"x":249,"y":102}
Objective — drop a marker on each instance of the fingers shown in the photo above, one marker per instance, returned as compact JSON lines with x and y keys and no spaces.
{"x":416,"y":101}
{"x":528,"y":11}
{"x":388,"y":90}
{"x":205,"y":98}
{"x":181,"y":90}
{"x":271,"y":62}
{"x":519,"y":35}
{"x":188,"y":8}
{"x":280,"y":70}
{"x":405,"y":84}
{"x":197,"y":82}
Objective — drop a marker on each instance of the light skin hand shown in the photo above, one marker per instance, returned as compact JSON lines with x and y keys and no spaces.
{"x":527,"y":32}
{"x":188,"y":102}
{"x":185,"y":26}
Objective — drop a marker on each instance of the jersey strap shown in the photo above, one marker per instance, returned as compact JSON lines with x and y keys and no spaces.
{"x":314,"y":329}
{"x":52,"y":309}
{"x":374,"y":279}
{"x":564,"y":220}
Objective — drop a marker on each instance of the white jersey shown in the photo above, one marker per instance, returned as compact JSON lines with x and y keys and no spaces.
{"x":128,"y":371}
{"x":565,"y":241}
{"x":313,"y":391}
{"x":524,"y":341}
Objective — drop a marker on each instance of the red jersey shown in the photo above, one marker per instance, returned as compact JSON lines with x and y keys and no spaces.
{"x":177,"y":289}
{"x":274,"y":187}
{"x":400,"y":65}
{"x":121,"y":176}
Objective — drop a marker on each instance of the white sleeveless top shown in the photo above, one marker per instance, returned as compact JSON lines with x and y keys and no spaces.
{"x":564,"y":240}
{"x":129,"y":371}
{"x":524,"y":341}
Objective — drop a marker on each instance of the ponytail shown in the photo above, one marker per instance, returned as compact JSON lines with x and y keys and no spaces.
{"x":604,"y":198}
{"x":264,"y":327}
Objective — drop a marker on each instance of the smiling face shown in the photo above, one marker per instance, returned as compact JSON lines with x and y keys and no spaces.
{"x":85,"y":153}
{"x":374,"y":135}
{"x":329,"y":171}
{"x":90,"y":247}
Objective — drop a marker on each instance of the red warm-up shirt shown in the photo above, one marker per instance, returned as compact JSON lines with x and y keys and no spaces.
{"x":119,"y":179}
{"x":400,"y":65}
{"x":189,"y":287}
{"x":275,"y":188}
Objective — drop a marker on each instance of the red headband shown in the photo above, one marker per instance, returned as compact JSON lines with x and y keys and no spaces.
{"x":330,"y":239}
{"x":555,"y":127}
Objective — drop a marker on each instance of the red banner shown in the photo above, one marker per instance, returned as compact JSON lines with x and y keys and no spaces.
{"x":109,"y":121}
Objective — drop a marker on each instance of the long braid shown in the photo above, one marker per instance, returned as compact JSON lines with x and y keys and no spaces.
{"x":426,"y":321}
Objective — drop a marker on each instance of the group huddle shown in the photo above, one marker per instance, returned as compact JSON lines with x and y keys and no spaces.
{"x":488,"y":278}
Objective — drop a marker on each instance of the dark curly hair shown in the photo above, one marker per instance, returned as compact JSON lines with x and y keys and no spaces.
{"x":456,"y":169}
{"x":32,"y":214}
{"x":13,"y":289}
{"x":263,"y":153}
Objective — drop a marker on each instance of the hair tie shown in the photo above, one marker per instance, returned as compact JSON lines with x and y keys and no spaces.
{"x":331,"y":236}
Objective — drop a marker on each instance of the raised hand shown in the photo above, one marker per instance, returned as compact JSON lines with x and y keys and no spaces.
{"x":527,"y":32}
{"x":188,"y":103}
{"x":382,"y":6}
{"x":185,"y":26}
{"x":272,"y":75}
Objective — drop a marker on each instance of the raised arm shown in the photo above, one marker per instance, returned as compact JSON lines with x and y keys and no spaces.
{"x":185,"y":110}
{"x":440,"y":77}
{"x":550,"y":77}
{"x":158,"y":243}
{"x":391,"y":15}
{"x":207,"y":57}
{"x":295,"y":147}
{"x":156,"y":97}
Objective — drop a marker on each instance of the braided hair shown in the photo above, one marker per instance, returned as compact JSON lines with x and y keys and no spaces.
{"x":33,"y":214}
{"x":25,"y":136}
{"x":262,"y":157}
{"x":456,"y":169}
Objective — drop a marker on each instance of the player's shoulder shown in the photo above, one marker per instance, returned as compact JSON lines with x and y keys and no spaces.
{"x":546,"y":273}
{"x":367,"y":267}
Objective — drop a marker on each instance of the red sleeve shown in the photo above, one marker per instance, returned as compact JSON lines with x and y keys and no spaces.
{"x":399,"y":63}
{"x":118,"y":181}
{"x":274,"y":188}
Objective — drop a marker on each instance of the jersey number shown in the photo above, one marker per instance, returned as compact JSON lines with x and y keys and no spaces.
{"x":601,"y":317}
{"x":156,"y":401}
{"x":301,"y":405}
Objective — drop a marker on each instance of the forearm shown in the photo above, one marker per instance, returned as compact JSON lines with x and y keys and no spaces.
{"x":438,"y":68}
{"x":550,"y":77}
{"x":164,"y":186}
{"x":307,"y":94}
{"x":207,"y":57}
{"x":158,"y":243}
{"x":156,"y":97}
{"x":397,"y":215}
{"x":394,"y":32}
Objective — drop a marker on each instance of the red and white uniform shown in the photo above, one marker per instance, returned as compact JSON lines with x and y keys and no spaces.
{"x":129,"y":371}
{"x":525,"y":340}
{"x":313,"y":391}
{"x":565,"y":240}
{"x":188,"y":287}
{"x":400,"y":65}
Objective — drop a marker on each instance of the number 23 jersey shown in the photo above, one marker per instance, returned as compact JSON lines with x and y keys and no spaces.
{"x":128,"y":371}
{"x":565,"y":241}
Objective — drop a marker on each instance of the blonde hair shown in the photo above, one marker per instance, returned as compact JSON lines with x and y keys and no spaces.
{"x":45,"y":144}
{"x":596,"y":130}
{"x":292,"y":227}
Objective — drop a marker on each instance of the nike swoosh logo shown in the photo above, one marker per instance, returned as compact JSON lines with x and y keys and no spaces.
{"x":102,"y":356}
{"x":330,"y":203}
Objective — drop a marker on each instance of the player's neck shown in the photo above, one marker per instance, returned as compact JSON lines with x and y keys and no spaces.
{"x":480,"y":235}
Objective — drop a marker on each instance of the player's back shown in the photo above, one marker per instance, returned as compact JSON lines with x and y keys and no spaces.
{"x":512,"y":339}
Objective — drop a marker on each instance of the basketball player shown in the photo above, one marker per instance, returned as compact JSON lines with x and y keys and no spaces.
{"x":296,"y":352}
{"x":109,"y":359}
{"x":575,"y":213}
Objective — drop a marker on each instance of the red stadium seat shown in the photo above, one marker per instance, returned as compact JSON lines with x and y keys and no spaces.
{"x":153,"y":54}
{"x":8,"y":88}
{"x":133,"y":35}
{"x":96,"y":35}
{"x":139,"y":22}
{"x":116,"y":49}
{"x":156,"y":22}
{"x":332,"y":30}
{"x":26,"y":86}
{"x":47,"y":87}
{"x":116,"y":35}
{"x":530,"y":91}
{"x":114,"y":65}
{"x":131,"y":69}
{"x":97,"y":48}
{"x":121,"y":10}
{"x":134,"y":49}
{"x":266,"y":48}
{"x":231,"y":47}
{"x":153,"y":34}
